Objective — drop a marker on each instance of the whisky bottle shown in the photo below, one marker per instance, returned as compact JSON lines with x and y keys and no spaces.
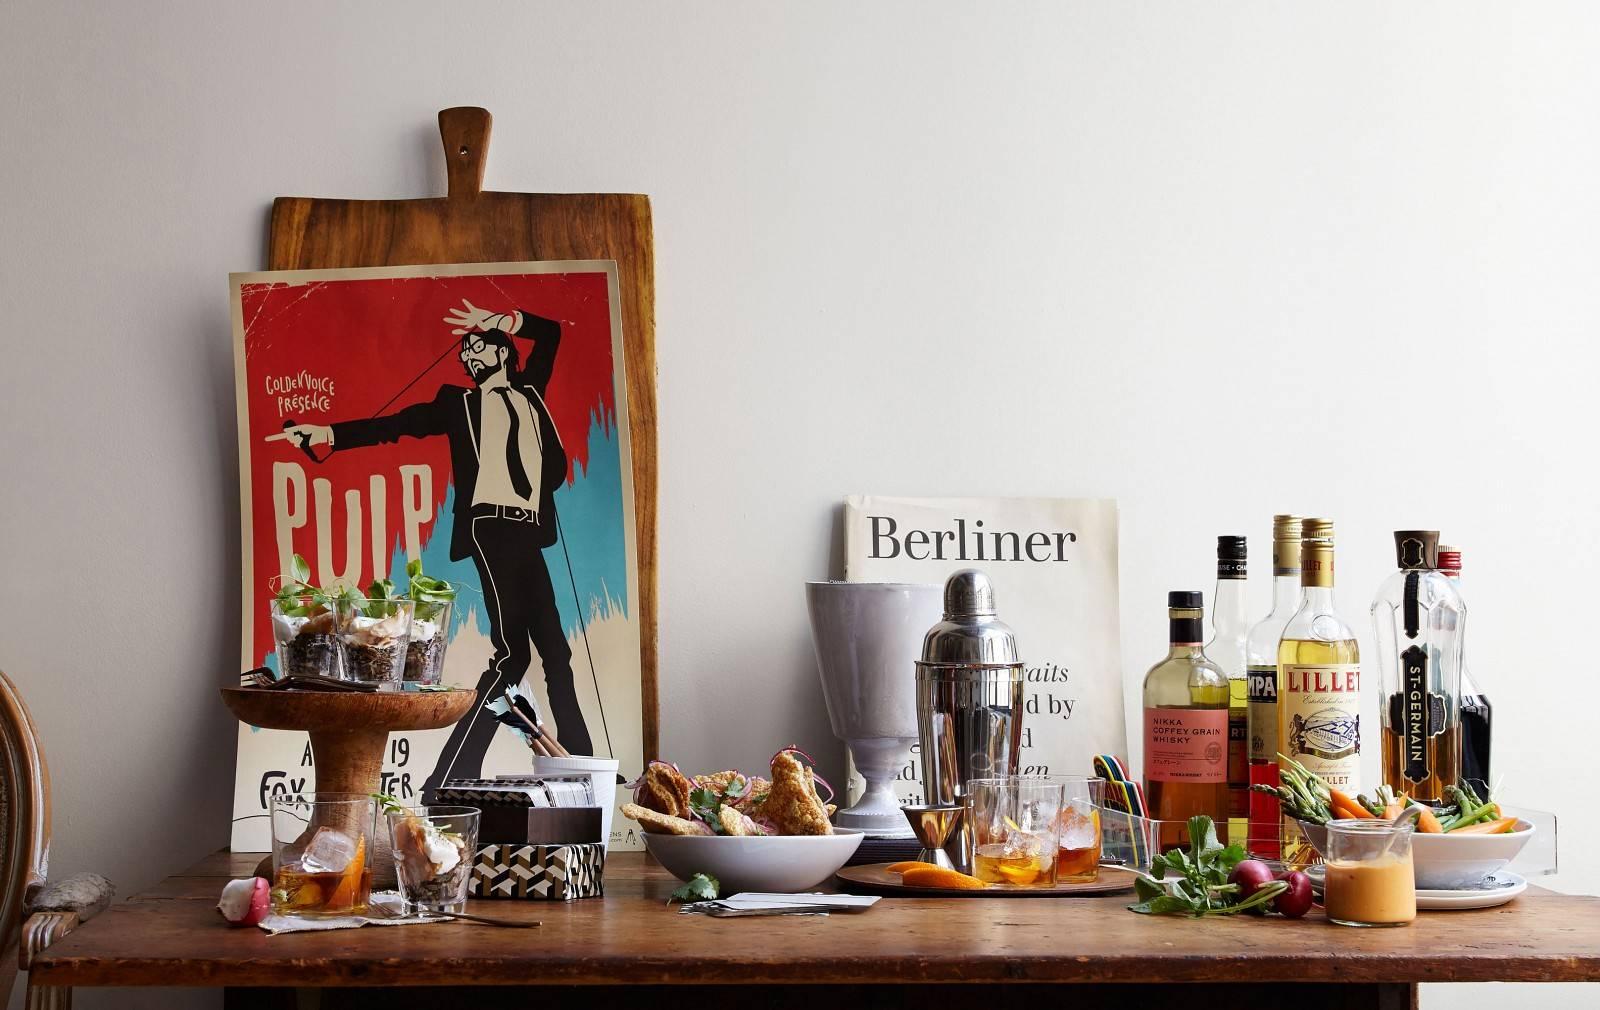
{"x":1419,"y":620}
{"x":1261,"y":669}
{"x":1230,"y":626}
{"x":1319,"y":680}
{"x":1186,"y":727}
{"x":1476,"y":712}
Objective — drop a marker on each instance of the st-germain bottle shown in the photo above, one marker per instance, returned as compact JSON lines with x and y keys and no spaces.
{"x":1230,"y":626}
{"x":1261,"y":670}
{"x":1185,"y":726}
{"x":1319,"y":680}
{"x":1419,"y":621}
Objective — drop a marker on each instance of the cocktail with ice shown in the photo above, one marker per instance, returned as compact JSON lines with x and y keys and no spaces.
{"x":322,"y":854}
{"x":1078,"y":858}
{"x":1016,"y":829}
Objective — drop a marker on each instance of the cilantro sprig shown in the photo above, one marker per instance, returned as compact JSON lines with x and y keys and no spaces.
{"x":1194,"y":881}
{"x":700,"y":887}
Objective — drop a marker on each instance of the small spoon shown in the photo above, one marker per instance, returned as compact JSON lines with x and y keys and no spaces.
{"x":487,"y":921}
{"x":1405,"y":819}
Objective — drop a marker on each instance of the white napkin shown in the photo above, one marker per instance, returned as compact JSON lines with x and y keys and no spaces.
{"x":385,"y":908}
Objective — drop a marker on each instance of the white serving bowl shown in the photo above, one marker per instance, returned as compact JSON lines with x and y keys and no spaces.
{"x":774,"y":863}
{"x":1449,"y":862}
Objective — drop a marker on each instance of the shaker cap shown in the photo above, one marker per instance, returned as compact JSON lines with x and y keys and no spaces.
{"x":970,"y":632}
{"x":1416,"y":549}
{"x":968,"y":593}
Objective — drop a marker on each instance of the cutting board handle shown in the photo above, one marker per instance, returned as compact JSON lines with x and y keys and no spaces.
{"x":465,"y":132}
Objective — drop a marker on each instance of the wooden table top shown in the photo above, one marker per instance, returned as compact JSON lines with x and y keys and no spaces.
{"x":172,"y":935}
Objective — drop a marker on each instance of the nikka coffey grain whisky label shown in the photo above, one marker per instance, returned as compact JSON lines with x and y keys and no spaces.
{"x":1320,"y":712}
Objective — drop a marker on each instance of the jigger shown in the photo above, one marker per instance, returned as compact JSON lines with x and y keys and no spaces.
{"x":933,"y":825}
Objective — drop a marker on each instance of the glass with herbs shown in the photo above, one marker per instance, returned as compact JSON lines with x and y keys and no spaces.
{"x":434,"y":848}
{"x":321,"y":853}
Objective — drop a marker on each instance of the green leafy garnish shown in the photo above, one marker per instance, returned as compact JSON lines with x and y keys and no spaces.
{"x":297,"y":597}
{"x":706,"y":805}
{"x":388,"y":804}
{"x":1194,"y":881}
{"x":700,"y":887}
{"x":381,"y":600}
{"x":428,"y":594}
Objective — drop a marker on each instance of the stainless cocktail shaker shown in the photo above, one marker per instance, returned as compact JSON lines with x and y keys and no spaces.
{"x":969,"y":698}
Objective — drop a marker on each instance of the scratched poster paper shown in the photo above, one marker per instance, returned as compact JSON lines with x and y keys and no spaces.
{"x":474,"y":417}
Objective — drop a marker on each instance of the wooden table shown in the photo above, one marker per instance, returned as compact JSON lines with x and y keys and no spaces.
{"x":628,"y":949}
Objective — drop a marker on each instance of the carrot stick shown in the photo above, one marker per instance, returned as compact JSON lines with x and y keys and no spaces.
{"x":1349,"y":806}
{"x":1392,"y":811}
{"x":1428,"y":823}
{"x":1503,"y":825}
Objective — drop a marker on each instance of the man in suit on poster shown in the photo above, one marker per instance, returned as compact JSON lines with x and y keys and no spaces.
{"x":507,"y":460}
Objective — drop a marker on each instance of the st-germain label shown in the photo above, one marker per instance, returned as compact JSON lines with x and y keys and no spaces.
{"x":1414,"y":713}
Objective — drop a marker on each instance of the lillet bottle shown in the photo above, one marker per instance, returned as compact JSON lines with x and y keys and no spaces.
{"x":1319,"y":680}
{"x":1186,"y":726}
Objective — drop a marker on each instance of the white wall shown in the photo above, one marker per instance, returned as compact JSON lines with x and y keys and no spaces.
{"x":1213,"y":260}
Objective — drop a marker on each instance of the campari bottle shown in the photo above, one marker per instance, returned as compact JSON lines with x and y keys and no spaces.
{"x":1261,"y":673}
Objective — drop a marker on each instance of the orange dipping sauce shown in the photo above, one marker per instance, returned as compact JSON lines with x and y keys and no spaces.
{"x":1375,"y":892}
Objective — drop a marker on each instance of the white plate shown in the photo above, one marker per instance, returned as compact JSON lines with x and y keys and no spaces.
{"x":1500,"y":888}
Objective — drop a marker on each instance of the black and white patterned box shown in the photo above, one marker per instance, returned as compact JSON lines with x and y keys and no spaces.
{"x":540,"y":872}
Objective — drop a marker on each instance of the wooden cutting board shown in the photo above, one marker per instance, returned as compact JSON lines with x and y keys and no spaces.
{"x":471,"y":226}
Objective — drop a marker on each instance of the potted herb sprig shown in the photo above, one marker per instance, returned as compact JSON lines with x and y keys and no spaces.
{"x":432,"y":600}
{"x":303,"y":626}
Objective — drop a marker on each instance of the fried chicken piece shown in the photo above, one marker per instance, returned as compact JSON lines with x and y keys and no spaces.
{"x":756,"y":795}
{"x":663,"y":789}
{"x":735,"y":823}
{"x":793,"y":805}
{"x":659,"y":823}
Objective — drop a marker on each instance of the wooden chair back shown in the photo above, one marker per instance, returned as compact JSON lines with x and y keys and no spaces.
{"x":24,"y":822}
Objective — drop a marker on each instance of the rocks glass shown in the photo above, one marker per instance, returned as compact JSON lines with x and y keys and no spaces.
{"x":1370,"y":881}
{"x":322,"y":854}
{"x":1016,"y":829}
{"x":434,"y":847}
{"x":1078,"y":858}
{"x":373,"y":635}
{"x":303,"y":630}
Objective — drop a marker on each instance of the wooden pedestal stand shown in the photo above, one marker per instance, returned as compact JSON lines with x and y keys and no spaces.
{"x":349,"y":733}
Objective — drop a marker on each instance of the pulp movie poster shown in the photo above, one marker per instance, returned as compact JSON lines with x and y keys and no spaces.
{"x":473,"y":418}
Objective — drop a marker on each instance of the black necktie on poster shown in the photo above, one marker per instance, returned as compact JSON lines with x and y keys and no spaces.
{"x":519,"y":476}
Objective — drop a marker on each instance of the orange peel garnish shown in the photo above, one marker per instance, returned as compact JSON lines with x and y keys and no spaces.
{"x":937,"y":876}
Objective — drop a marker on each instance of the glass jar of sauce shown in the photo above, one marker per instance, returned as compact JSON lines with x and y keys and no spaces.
{"x":1369,"y":877}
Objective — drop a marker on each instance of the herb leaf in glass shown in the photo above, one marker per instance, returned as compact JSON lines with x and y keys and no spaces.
{"x":434,"y":847}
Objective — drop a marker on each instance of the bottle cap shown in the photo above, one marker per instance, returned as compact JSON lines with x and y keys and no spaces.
{"x":1316,"y":529}
{"x":1286,"y":528}
{"x":1184,"y":600}
{"x":1416,"y":549}
{"x":1449,"y":559}
{"x":1231,"y":558}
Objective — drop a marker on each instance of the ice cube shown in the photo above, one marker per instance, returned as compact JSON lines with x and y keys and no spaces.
{"x":329,"y":851}
{"x":1077,"y":827}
